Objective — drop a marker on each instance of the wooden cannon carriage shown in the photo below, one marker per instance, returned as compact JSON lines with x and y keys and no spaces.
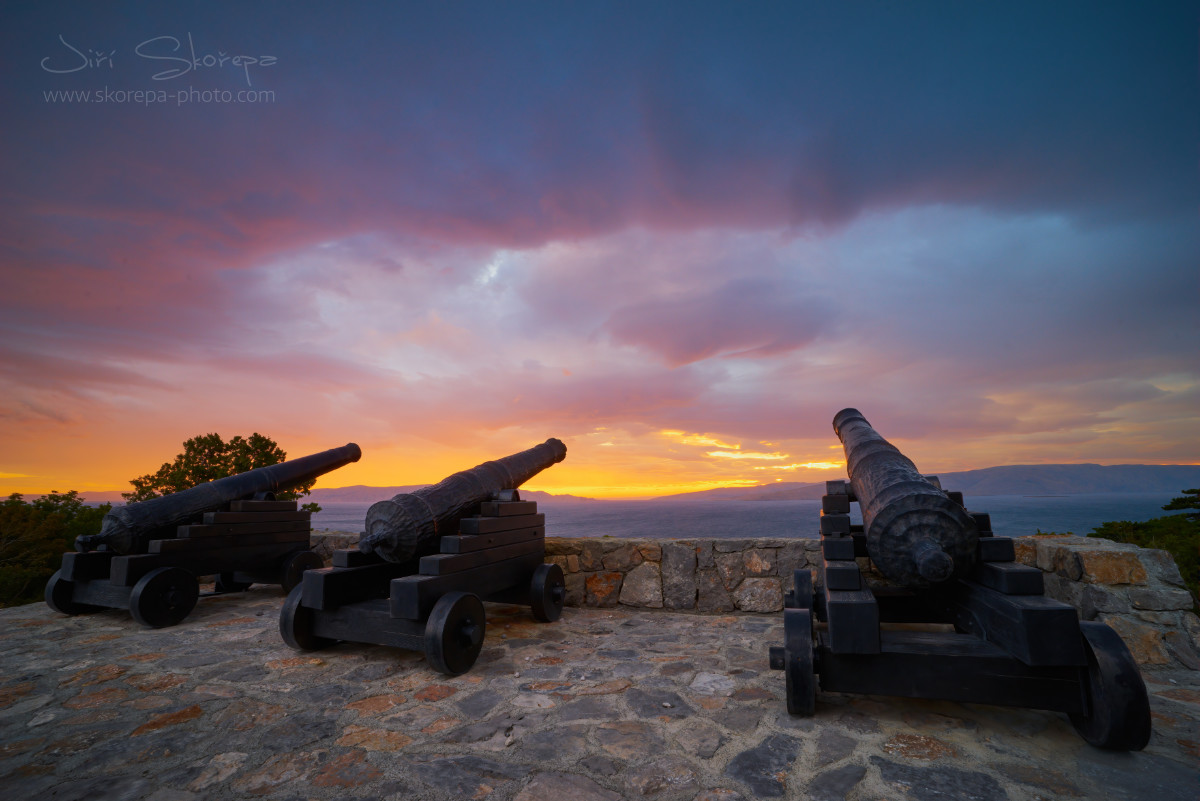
{"x":990,"y":635}
{"x":148,"y":556}
{"x":426,"y":563}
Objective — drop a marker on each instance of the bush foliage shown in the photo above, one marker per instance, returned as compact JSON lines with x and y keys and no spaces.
{"x":33,"y":536}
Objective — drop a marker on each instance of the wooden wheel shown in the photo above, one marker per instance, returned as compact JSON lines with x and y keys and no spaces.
{"x":163,"y":597}
{"x":800,"y":680}
{"x":296,"y":624}
{"x":1119,"y":713}
{"x":60,"y":597}
{"x":226,"y":583}
{"x":294,"y":567}
{"x":547,"y":593}
{"x":454,"y":632}
{"x":801,"y":594}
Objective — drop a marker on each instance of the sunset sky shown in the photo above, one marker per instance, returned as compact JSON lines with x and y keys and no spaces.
{"x":678,"y":236}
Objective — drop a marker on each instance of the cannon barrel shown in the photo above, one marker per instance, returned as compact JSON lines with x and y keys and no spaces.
{"x":412,"y":523}
{"x":916,"y":535}
{"x":128,"y":529}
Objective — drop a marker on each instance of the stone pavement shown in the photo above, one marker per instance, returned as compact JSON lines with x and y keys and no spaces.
{"x":603,"y":704}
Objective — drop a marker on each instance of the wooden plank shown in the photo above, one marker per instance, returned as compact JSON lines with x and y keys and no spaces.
{"x":1033,"y":628}
{"x":331,"y":587}
{"x":475,"y":542}
{"x":950,"y":666}
{"x":253,"y":517}
{"x":837,"y":547}
{"x":263,"y":506}
{"x":442,"y":564}
{"x":1009,"y":578}
{"x":835,"y":525}
{"x":183,"y":544}
{"x":841,"y":575}
{"x":996,"y":549}
{"x":413,"y":597}
{"x":86,"y":566}
{"x":352,"y":557}
{"x":835,"y":504}
{"x":369,"y":622}
{"x":126,"y":570}
{"x":101,"y":593}
{"x":853,"y":617}
{"x":495,"y":525}
{"x":507,"y":508}
{"x":227,"y":529}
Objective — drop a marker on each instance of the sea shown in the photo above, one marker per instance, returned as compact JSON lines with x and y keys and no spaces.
{"x":1011,"y":515}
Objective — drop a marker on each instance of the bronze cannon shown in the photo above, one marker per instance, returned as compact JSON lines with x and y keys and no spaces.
{"x":916,"y":534}
{"x":960,"y":619}
{"x":412,"y":523}
{"x":128,"y":529}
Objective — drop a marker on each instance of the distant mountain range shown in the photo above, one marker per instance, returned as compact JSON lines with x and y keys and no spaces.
{"x":1022,"y":479}
{"x":363,"y":494}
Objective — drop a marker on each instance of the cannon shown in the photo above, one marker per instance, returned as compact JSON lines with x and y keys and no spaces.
{"x":411,"y":523}
{"x":148,"y":556}
{"x":427,"y":562}
{"x":947,"y":614}
{"x":128,"y":529}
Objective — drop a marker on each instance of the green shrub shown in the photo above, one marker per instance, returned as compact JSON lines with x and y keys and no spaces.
{"x":33,"y":536}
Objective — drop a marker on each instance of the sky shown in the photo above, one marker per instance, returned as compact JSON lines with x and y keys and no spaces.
{"x":677,"y":236}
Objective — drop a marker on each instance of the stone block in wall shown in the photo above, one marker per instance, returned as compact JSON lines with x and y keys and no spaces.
{"x":1165,"y":598}
{"x":760,"y":562}
{"x":732,"y":546}
{"x":1069,"y":592}
{"x":1026,"y":550}
{"x":759,"y":595}
{"x":624,"y":557}
{"x":704,"y":556}
{"x":731,"y":568}
{"x":1161,"y":565}
{"x":789,"y":557}
{"x":1111,"y":566}
{"x":650,"y":551}
{"x":711,"y":595}
{"x":678,"y":576}
{"x":576,"y":587}
{"x":1145,"y":641}
{"x":1055,"y":556}
{"x":643,"y":587}
{"x":591,"y":556}
{"x":1183,"y":642}
{"x":562,"y":545}
{"x":603,"y":589}
{"x":559,"y":560}
{"x":573,"y":563}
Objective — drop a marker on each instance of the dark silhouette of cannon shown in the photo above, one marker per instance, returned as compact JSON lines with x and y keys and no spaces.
{"x":427,"y":561}
{"x":148,"y":555}
{"x":977,"y":625}
{"x":411,"y":523}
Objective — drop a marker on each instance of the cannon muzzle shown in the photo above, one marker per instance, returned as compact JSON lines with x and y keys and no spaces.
{"x":412,"y":523}
{"x":128,"y":529}
{"x":916,"y":535}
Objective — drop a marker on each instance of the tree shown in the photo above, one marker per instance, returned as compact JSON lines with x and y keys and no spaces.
{"x":1184,"y":502}
{"x":33,"y":536}
{"x":207,"y":458}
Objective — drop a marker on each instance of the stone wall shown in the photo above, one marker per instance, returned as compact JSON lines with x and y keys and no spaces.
{"x":1137,"y":591}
